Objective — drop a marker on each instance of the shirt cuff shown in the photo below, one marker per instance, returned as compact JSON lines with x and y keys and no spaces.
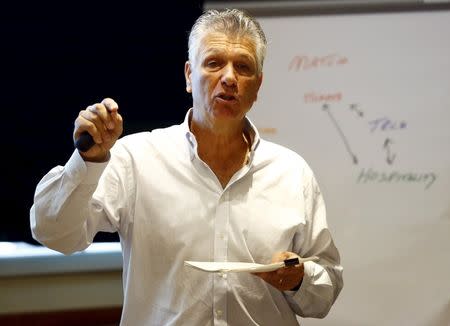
{"x":308,"y":274}
{"x":87,"y":172}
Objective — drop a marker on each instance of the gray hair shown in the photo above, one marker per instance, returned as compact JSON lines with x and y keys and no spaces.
{"x":232,"y":22}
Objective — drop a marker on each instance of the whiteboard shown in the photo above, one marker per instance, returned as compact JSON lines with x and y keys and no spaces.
{"x":365,"y":99}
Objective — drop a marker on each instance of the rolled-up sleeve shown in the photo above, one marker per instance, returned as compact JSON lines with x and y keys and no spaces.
{"x":64,"y":215}
{"x":322,"y":281}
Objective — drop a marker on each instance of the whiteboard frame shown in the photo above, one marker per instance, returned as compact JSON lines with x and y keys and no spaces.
{"x":327,"y":7}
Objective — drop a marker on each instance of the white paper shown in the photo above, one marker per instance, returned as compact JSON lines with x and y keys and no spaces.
{"x":226,"y":267}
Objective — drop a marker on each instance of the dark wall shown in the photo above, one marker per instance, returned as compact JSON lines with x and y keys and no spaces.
{"x":56,"y":60}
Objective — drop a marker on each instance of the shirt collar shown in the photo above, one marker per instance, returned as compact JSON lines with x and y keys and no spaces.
{"x":249,"y":128}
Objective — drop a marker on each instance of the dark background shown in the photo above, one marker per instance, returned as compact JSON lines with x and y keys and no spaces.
{"x":59,"y":58}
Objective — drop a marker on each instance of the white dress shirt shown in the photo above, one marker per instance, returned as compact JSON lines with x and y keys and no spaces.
{"x":168,"y":206}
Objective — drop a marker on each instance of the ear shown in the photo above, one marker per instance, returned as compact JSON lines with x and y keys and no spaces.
{"x":187,"y":76}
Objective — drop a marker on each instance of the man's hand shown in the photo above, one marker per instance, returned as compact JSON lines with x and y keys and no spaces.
{"x":104,"y":124}
{"x":285,"y":278}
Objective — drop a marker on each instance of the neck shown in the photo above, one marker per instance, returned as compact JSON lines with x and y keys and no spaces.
{"x":216,"y":137}
{"x":217,"y":133}
{"x":224,"y":150}
{"x":220,"y":143}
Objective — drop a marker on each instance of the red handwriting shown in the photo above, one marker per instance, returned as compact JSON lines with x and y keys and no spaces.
{"x":267,"y":130}
{"x":313,"y":97}
{"x":304,"y":62}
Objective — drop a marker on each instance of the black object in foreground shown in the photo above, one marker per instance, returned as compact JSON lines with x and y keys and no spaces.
{"x":291,"y":262}
{"x":84,"y":142}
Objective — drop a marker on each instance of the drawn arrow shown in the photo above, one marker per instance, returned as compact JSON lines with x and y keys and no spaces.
{"x":389,"y":156}
{"x":326,"y":108}
{"x":355,"y":107}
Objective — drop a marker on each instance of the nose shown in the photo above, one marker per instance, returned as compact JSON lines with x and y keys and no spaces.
{"x":229,"y":77}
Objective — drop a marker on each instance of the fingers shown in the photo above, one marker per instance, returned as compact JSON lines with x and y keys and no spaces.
{"x":101,"y":114}
{"x":115,"y":123}
{"x":110,"y":105}
{"x":101,"y":120}
{"x":285,"y":278}
{"x":82,"y":124}
{"x":95,"y":120}
{"x":290,"y":272}
{"x":281,"y":256}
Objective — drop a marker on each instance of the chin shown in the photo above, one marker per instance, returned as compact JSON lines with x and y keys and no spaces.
{"x":226,"y":109}
{"x":226,"y":112}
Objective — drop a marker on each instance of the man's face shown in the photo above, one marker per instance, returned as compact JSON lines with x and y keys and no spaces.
{"x":223,"y":78}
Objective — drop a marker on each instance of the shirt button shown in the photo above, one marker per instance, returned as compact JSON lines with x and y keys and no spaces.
{"x":224,"y":276}
{"x":219,"y":312}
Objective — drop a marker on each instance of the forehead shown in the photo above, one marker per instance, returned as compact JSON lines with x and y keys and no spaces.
{"x":216,"y":43}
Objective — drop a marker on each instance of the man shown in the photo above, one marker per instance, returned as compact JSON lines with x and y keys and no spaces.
{"x":209,"y":189}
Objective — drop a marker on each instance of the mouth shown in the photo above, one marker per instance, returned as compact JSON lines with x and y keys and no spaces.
{"x":226,"y":97}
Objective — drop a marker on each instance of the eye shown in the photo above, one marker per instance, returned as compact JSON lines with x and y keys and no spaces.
{"x":212,"y":63}
{"x":242,"y":66}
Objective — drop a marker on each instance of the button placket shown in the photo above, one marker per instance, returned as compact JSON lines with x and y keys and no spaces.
{"x":221,"y":255}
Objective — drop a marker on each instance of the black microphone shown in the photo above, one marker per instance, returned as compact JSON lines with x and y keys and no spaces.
{"x":84,"y":142}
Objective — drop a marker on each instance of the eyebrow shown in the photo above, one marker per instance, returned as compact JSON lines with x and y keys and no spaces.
{"x":213,"y":52}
